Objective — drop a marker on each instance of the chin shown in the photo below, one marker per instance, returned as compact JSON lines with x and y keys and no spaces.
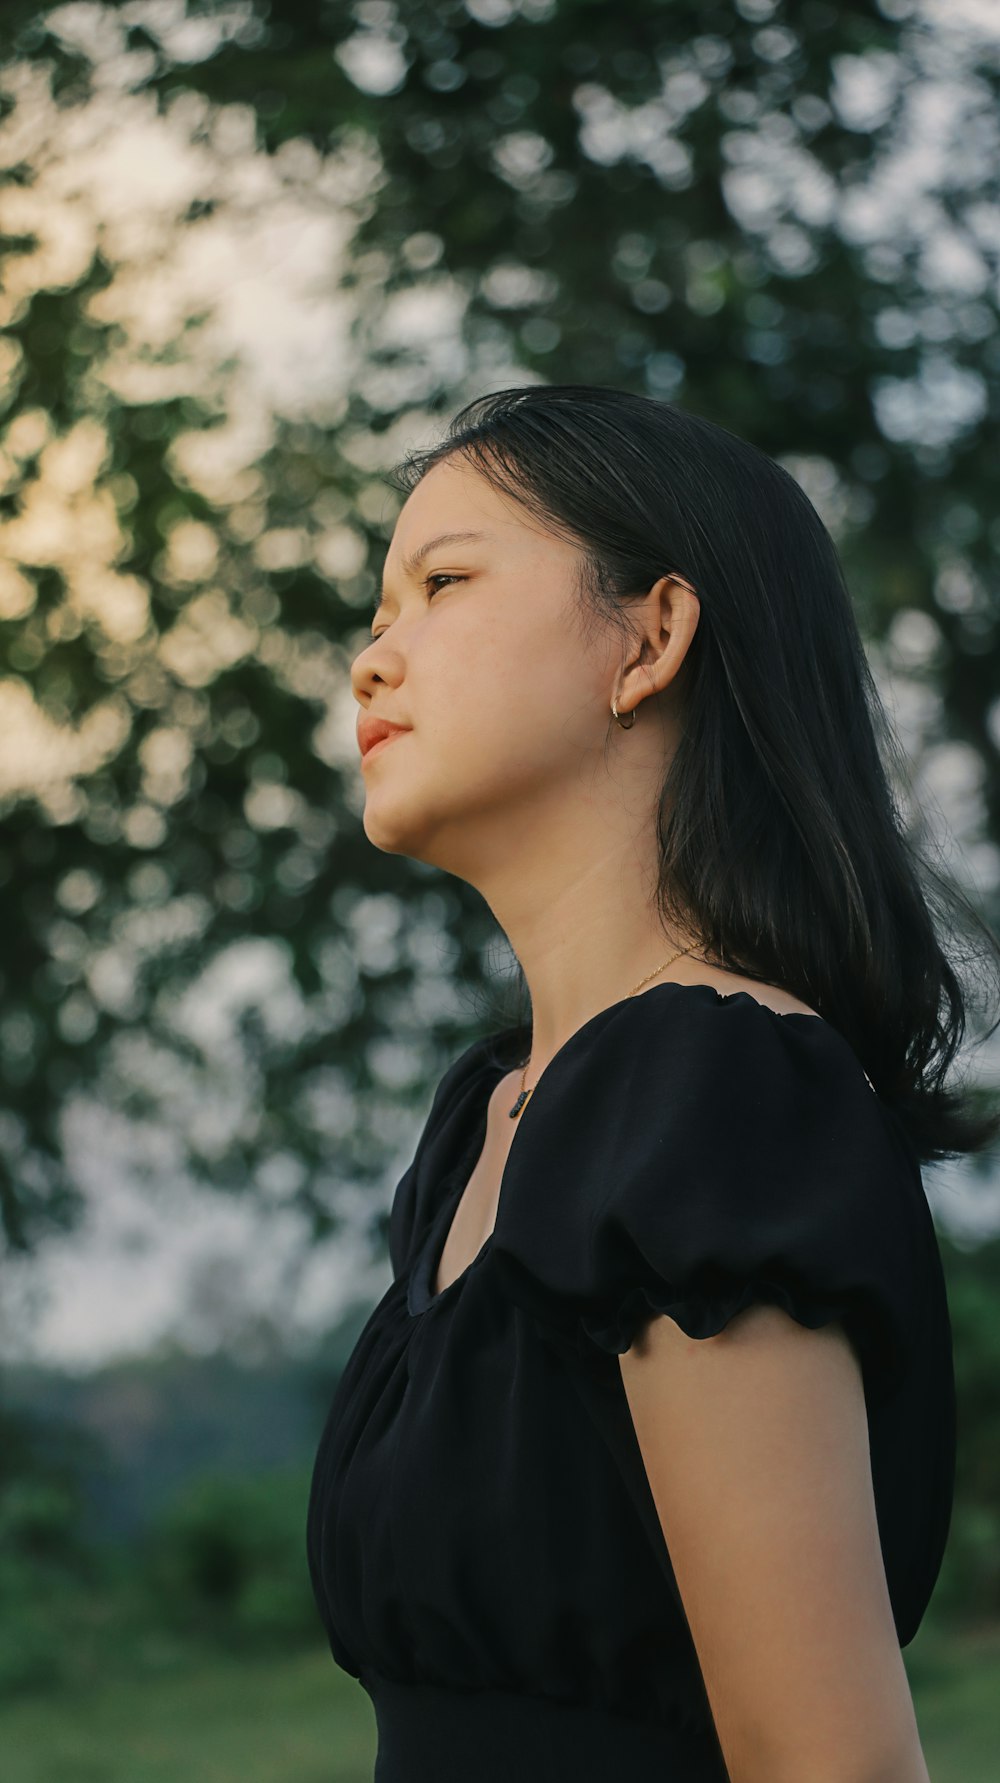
{"x":392,"y":825}
{"x":390,"y":837}
{"x":396,"y":826}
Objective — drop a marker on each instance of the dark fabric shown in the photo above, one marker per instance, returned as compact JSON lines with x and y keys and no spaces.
{"x":426,"y":1732}
{"x":480,"y":1523}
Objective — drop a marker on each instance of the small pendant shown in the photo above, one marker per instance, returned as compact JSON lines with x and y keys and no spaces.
{"x":519,"y":1104}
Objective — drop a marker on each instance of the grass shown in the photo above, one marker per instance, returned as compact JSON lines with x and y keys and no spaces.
{"x":298,"y":1719}
{"x":955,"y":1682}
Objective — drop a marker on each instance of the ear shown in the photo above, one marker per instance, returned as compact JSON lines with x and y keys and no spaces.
{"x":664,"y":623}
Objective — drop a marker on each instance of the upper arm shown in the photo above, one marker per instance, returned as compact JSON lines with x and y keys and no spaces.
{"x":755,"y":1444}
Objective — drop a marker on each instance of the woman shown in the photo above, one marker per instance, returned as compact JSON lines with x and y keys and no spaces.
{"x":643,"y":1464}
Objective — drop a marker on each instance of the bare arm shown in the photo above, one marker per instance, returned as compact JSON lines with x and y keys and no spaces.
{"x":755,"y":1444}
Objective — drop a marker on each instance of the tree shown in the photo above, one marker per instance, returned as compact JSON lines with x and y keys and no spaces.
{"x":197,"y":933}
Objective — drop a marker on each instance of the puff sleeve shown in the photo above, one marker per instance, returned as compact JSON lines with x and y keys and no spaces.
{"x":689,"y":1153}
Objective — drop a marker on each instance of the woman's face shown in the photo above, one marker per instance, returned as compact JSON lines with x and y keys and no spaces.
{"x":480,"y":652}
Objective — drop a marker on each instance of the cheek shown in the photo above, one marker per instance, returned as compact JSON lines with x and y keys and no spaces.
{"x":498,"y":713}
{"x":481,"y":729}
{"x":486,"y":745}
{"x":518,"y":716}
{"x":474,"y":680}
{"x":502,"y":689}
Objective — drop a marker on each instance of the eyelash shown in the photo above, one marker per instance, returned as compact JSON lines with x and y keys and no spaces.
{"x":435,"y":576}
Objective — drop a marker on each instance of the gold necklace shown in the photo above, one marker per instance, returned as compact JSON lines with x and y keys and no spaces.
{"x":524,"y":1094}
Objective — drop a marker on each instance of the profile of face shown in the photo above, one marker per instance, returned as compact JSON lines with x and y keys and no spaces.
{"x":480,"y":651}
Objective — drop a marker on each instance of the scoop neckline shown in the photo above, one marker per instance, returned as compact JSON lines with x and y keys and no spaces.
{"x":419,"y":1298}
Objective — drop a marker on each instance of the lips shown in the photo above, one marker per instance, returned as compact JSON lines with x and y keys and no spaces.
{"x":373,"y":730}
{"x":381,"y":743}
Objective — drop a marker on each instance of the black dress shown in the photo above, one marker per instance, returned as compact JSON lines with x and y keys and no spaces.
{"x":482,"y":1538}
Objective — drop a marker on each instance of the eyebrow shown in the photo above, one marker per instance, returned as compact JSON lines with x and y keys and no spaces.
{"x":412,"y":563}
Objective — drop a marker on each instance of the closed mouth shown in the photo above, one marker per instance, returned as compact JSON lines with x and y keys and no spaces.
{"x":391,"y":738}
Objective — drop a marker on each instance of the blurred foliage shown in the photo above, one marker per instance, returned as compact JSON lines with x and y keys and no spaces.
{"x":226,"y":1560}
{"x":219,"y":1563}
{"x":146,"y":1425}
{"x":969,"y":1584}
{"x":46,"y":1562}
{"x":782,"y":215}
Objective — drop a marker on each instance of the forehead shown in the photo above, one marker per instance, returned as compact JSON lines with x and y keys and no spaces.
{"x":452,"y":503}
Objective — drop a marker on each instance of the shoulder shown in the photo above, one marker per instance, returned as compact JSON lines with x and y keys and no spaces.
{"x":691,"y":1151}
{"x":770,"y":996}
{"x":692,"y":1046}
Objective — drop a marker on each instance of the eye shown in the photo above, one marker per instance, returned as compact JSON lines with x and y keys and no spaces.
{"x":436,"y":576}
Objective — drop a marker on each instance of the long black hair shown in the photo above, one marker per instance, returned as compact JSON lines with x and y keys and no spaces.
{"x":781,"y":843}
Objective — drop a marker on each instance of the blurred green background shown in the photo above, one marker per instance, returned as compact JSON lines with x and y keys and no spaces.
{"x":249,"y":253}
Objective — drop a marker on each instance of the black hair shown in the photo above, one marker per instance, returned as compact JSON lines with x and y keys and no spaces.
{"x":781,"y":842}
